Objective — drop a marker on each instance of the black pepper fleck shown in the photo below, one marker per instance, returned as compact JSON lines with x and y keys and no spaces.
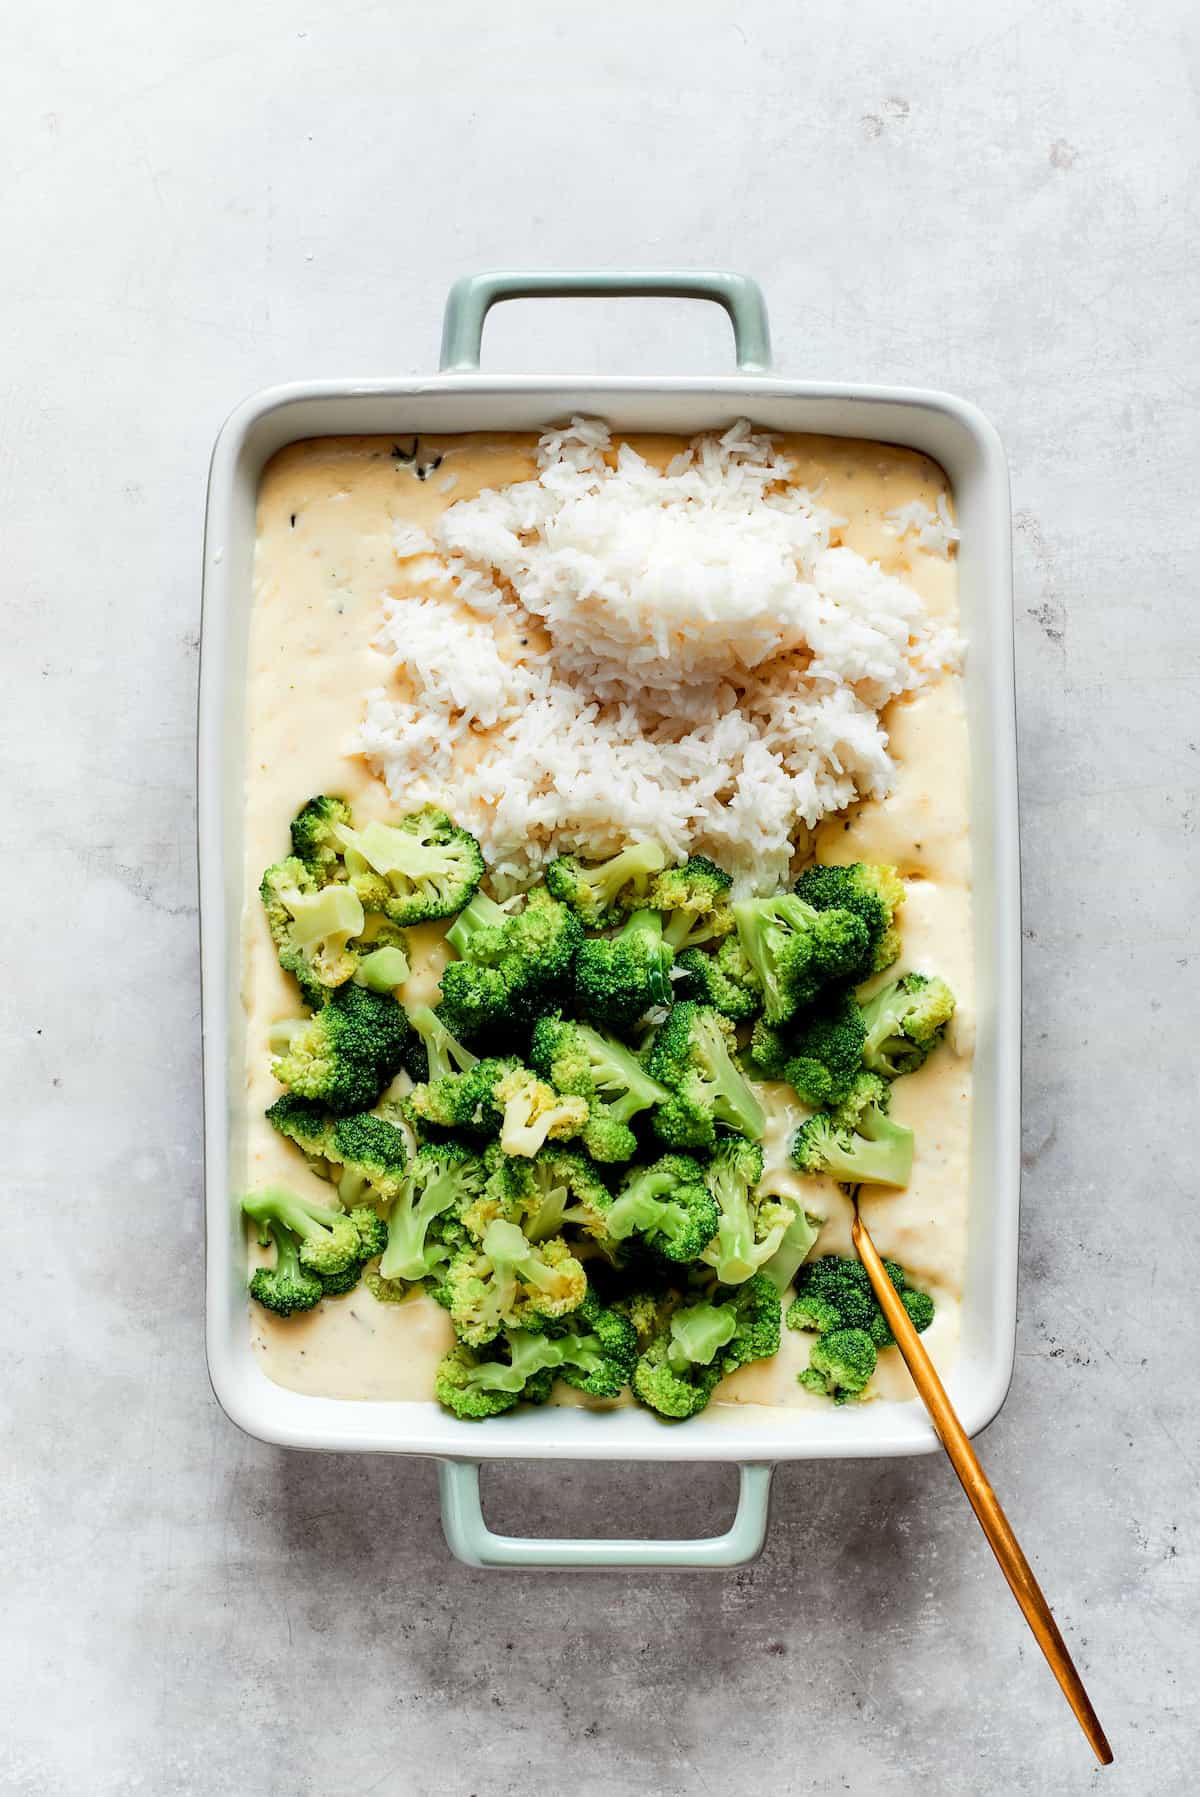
{"x":293,"y":520}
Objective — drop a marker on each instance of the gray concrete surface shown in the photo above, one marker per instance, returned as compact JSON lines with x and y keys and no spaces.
{"x":198,"y":201}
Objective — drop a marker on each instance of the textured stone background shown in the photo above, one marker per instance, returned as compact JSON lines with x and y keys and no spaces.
{"x":199,"y":201}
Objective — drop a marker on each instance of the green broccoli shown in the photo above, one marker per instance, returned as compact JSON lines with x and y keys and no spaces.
{"x":819,"y":1056}
{"x":423,"y":1224}
{"x":287,"y":1286}
{"x":507,"y":1282}
{"x":873,"y":892}
{"x":580,"y":1062}
{"x":313,"y":836}
{"x":840,"y":1365}
{"x":904,"y":1023}
{"x":515,"y":965}
{"x":419,"y":868}
{"x":751,"y":1229}
{"x":390,"y":1291}
{"x":796,"y":950}
{"x":598,"y":1346}
{"x":346,"y":1053}
{"x":464,"y":1103}
{"x":372,"y":1238}
{"x":696,"y":900}
{"x":692,"y":1056}
{"x":799,"y":1235}
{"x":857,"y":1143}
{"x":619,"y":978}
{"x":667,"y":1206}
{"x":381,"y":955}
{"x":433,"y":1052}
{"x":593,"y":1349}
{"x":534,"y":1113}
{"x":555,"y":1189}
{"x":305,"y":1123}
{"x":835,"y":1292}
{"x":311,"y":927}
{"x":369,"y":1155}
{"x":477,"y":1385}
{"x":703,"y":1339}
{"x":726,"y":981}
{"x":328,"y":1240}
{"x":601,"y":894}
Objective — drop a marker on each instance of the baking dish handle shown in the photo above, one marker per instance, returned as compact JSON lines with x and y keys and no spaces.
{"x":471,"y":1541}
{"x":472,"y":297}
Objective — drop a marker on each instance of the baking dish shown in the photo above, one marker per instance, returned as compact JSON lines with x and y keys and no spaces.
{"x":460,"y":398}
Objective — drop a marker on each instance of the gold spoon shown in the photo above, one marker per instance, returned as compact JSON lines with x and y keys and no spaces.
{"x":980,"y":1495}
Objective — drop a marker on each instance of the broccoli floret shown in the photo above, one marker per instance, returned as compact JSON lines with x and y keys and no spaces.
{"x":370,"y":1156}
{"x":869,"y":1149}
{"x":593,"y":1349}
{"x":381,"y":956}
{"x":390,"y":1291}
{"x":287,"y":1286}
{"x":750,"y":1229}
{"x":799,"y":1235}
{"x":840,"y":1365}
{"x":648,"y":1310}
{"x":667,"y":1206}
{"x":835,"y":1292}
{"x":618,"y":978}
{"x":423,"y":1227}
{"x":507,"y":1282}
{"x":534,"y":1113}
{"x":701,"y":1341}
{"x":372,"y":1238}
{"x":904,"y":1023}
{"x":346,"y":1053}
{"x":328,"y":1239}
{"x":419,"y":868}
{"x":724,"y":980}
{"x":515,"y":965}
{"x":441,"y":1053}
{"x":554,"y":1190}
{"x":311,"y":926}
{"x":305,"y":1123}
{"x":598,"y":1347}
{"x":479,"y":1002}
{"x":465,"y":1103}
{"x":819,"y":1056}
{"x":692,"y":1055}
{"x":695,"y":898}
{"x":608,"y":1076}
{"x":599,"y":895}
{"x":796,"y":950}
{"x":313,"y":836}
{"x":475,"y":1386}
{"x":872,"y":891}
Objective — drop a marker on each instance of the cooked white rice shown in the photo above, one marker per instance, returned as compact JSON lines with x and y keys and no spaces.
{"x":615,"y":653}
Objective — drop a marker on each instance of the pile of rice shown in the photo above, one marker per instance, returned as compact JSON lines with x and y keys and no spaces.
{"x":609,"y":652}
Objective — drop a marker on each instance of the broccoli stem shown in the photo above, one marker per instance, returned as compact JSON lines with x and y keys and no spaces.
{"x":698,"y":1332}
{"x":408,"y":1225}
{"x":733,"y":1101}
{"x":483,"y":913}
{"x":445,"y":1052}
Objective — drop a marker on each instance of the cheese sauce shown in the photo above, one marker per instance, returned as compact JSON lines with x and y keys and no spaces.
{"x":323,"y":564}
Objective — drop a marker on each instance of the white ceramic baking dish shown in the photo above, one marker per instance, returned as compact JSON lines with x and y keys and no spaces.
{"x":460,"y":398}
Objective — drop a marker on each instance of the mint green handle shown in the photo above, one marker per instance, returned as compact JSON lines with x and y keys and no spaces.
{"x":471,"y":1541}
{"x":472,"y":297}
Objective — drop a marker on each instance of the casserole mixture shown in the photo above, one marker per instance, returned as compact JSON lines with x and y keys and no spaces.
{"x":344,"y":546}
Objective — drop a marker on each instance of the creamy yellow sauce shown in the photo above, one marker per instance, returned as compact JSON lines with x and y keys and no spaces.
{"x":324,"y":562}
